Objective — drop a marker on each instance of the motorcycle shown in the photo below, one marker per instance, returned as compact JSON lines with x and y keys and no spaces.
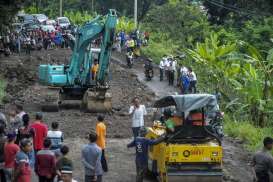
{"x":148,"y":71}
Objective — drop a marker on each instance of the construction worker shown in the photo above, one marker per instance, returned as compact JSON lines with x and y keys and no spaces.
{"x":262,"y":162}
{"x":94,"y":70}
{"x":141,"y":144}
{"x":171,"y":121}
{"x":170,"y":125}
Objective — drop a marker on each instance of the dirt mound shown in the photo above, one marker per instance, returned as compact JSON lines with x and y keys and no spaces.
{"x":23,"y":87}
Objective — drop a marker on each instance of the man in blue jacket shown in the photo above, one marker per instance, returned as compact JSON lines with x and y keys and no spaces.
{"x":142,"y":144}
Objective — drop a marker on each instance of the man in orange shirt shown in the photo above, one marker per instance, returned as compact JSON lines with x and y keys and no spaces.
{"x":101,"y":138}
{"x":94,"y":70}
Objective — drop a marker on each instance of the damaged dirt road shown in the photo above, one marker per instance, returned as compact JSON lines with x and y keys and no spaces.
{"x":21,"y":74}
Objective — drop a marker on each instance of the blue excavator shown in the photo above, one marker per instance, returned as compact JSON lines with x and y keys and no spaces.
{"x":73,"y":82}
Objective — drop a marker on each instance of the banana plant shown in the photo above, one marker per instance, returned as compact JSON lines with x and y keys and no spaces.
{"x":216,"y":59}
{"x":244,"y":76}
{"x":259,"y":83}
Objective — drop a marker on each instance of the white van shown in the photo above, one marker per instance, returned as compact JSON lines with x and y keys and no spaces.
{"x":63,"y":22}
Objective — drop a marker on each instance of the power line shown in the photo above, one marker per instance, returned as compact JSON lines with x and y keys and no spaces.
{"x":235,"y":9}
{"x":240,"y":9}
{"x":219,"y":5}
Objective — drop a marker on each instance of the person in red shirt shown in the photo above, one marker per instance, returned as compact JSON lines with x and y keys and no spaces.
{"x":40,"y":132}
{"x":45,"y":165}
{"x":10,"y":151}
{"x":22,"y":171}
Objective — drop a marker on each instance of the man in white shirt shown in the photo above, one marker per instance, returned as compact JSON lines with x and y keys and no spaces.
{"x":193,"y":81}
{"x":166,"y":67}
{"x":172,"y":69}
{"x":137,"y":111}
{"x":162,"y":67}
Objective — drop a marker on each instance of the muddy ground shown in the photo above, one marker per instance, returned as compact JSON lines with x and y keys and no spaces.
{"x":21,"y":73}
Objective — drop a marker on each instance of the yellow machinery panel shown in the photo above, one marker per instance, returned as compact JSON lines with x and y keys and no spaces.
{"x":209,"y":152}
{"x":194,"y":157}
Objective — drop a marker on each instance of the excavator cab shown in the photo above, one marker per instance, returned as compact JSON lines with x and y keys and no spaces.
{"x":193,"y":151}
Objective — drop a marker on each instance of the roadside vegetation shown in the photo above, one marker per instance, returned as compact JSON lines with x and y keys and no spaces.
{"x":237,"y":63}
{"x":2,"y":88}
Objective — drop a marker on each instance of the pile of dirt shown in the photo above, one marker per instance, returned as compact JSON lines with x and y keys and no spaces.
{"x":124,"y":86}
{"x":21,"y":71}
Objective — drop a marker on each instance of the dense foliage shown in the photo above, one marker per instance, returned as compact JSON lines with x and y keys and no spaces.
{"x":8,"y":9}
{"x":124,"y":7}
{"x":169,"y":33}
{"x":237,"y":55}
{"x":221,"y":11}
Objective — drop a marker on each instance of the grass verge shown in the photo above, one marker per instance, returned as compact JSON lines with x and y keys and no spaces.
{"x":2,"y":88}
{"x":251,"y":135}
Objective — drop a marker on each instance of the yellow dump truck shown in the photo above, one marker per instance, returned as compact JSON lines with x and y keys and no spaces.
{"x":193,"y":151}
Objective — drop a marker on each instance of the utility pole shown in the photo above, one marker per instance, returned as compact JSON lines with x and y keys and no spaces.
{"x":135,"y":13}
{"x":61,"y":8}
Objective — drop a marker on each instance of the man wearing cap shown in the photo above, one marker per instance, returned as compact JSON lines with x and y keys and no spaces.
{"x":40,"y":132}
{"x":22,"y":171}
{"x":141,"y":144}
{"x":67,"y":176}
{"x":262,"y":162}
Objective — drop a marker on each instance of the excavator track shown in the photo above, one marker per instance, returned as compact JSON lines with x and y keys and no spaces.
{"x":51,"y":99}
{"x":97,"y":101}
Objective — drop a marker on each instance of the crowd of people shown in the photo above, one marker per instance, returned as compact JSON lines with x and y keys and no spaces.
{"x":177,"y":74}
{"x":131,"y":41}
{"x":28,"y":40}
{"x":28,"y":148}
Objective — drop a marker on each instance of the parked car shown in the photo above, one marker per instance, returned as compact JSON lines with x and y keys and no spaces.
{"x":24,"y":18}
{"x":63,"y":22}
{"x":50,"y":22}
{"x":40,"y":18}
{"x":48,"y":28}
{"x":30,"y":25}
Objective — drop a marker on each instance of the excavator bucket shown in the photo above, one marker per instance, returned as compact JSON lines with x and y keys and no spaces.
{"x":97,"y":101}
{"x":51,"y":99}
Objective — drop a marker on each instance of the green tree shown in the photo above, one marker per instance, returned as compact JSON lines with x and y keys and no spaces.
{"x":241,"y":73}
{"x":180,"y":21}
